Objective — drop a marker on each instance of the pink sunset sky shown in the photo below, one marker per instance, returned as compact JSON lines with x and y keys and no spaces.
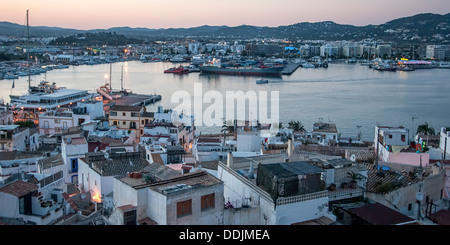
{"x":103,"y":14}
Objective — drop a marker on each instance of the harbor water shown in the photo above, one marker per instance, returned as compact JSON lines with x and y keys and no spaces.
{"x":354,"y":97}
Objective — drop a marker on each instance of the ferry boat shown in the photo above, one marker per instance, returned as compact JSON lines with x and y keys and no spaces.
{"x":216,"y":68}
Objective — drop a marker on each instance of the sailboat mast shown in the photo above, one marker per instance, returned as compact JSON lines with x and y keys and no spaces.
{"x":110,"y":71}
{"x":121,"y":79}
{"x":28,"y":52}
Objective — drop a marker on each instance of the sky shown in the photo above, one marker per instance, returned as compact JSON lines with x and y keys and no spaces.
{"x":103,"y":14}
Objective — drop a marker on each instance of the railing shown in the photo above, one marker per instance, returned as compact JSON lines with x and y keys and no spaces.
{"x":301,"y":198}
{"x":340,"y":194}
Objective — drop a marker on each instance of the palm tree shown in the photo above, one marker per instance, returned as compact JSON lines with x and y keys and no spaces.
{"x":224,"y":130}
{"x":425,"y":129}
{"x":296,"y":126}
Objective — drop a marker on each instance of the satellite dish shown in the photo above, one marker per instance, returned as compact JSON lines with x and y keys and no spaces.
{"x":353,"y":158}
{"x":106,"y":155}
{"x":419,"y":196}
{"x":83,"y":196}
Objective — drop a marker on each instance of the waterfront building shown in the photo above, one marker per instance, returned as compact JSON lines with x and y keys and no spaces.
{"x":329,"y":50}
{"x":438,"y":52}
{"x":48,"y":101}
{"x":384,"y":51}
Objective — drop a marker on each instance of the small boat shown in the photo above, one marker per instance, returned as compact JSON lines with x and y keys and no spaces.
{"x":177,"y":70}
{"x":10,"y":76}
{"x":262,"y":81}
{"x":308,"y":65}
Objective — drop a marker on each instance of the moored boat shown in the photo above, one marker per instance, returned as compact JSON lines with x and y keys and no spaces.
{"x":262,"y":81}
{"x":177,"y":70}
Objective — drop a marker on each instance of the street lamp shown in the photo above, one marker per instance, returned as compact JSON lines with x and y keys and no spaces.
{"x":412,"y":126}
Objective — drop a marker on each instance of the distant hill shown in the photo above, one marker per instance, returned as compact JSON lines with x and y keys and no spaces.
{"x":422,"y":27}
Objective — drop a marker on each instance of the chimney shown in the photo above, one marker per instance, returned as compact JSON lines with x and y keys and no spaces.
{"x":230,"y":160}
{"x":290,"y":150}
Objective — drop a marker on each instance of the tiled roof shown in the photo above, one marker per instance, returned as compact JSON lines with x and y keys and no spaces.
{"x":378,"y":214}
{"x":125,"y":108}
{"x":392,"y":179}
{"x":69,"y":200}
{"x":52,"y":161}
{"x":19,"y":188}
{"x":157,"y":158}
{"x":117,"y":164}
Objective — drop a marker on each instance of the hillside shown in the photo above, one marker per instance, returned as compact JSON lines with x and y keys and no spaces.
{"x":419,"y":28}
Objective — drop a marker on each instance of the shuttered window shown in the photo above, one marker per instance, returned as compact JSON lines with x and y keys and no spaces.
{"x":184,"y":208}
{"x":207,"y":201}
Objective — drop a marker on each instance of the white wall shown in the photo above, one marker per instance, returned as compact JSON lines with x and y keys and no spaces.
{"x":9,"y":207}
{"x":301,"y":211}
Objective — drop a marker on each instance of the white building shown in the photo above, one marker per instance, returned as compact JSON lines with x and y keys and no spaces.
{"x":32,"y":203}
{"x":326,"y":133}
{"x":71,"y":150}
{"x":384,"y":51}
{"x":97,"y":170}
{"x":14,"y":138}
{"x":392,"y":145}
{"x":260,"y":206}
{"x":56,"y":121}
{"x":444,"y":142}
{"x":209,"y":149}
{"x":189,"y":199}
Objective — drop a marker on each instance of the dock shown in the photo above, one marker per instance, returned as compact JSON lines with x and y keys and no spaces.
{"x":290,"y":68}
{"x":137,"y":99}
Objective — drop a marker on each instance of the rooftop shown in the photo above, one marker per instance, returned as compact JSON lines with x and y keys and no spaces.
{"x":324,"y":128}
{"x":115,"y":164}
{"x":378,"y":214}
{"x":192,"y":180}
{"x":52,"y":161}
{"x":19,"y":188}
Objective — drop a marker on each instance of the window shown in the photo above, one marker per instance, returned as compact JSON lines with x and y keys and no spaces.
{"x":113,"y":113}
{"x":129,"y":218}
{"x":123,"y":114}
{"x":115,"y":123}
{"x":207,"y":201}
{"x":403,"y":137}
{"x":135,"y":114}
{"x":123,"y":123}
{"x":184,"y":208}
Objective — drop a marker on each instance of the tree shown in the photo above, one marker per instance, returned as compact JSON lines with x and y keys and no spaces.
{"x":296,"y":126}
{"x":425,"y":129}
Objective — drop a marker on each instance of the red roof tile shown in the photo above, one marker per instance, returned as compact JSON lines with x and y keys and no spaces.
{"x":19,"y":188}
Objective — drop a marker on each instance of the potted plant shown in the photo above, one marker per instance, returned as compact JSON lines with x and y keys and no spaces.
{"x":332,"y":187}
{"x":354,"y":177}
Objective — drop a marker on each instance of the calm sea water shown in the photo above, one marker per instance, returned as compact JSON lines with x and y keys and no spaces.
{"x":349,"y":95}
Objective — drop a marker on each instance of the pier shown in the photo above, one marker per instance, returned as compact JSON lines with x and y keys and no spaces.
{"x":290,"y":68}
{"x":137,"y":99}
